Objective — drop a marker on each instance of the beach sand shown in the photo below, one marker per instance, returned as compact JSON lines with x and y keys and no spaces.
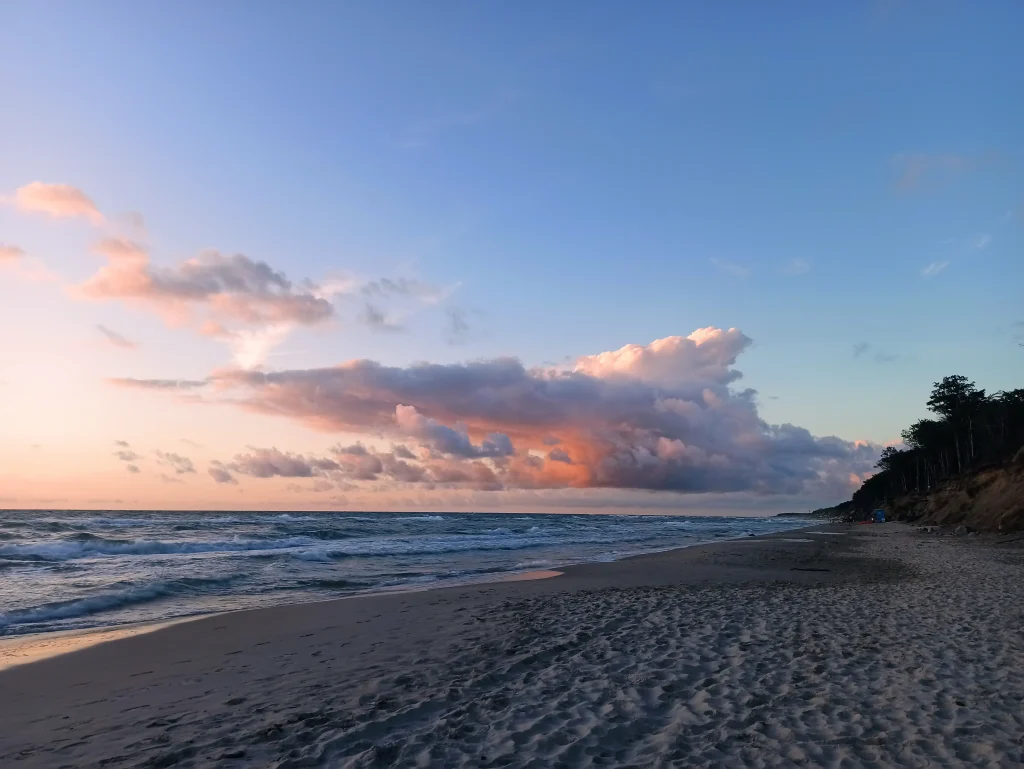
{"x":871,"y":646}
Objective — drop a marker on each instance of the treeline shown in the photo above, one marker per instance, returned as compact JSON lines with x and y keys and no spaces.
{"x":971,"y":429}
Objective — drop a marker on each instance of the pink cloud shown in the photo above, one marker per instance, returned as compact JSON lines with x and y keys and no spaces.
{"x":235,"y":298}
{"x":30,"y":269}
{"x":56,"y":200}
{"x":10,"y":253}
{"x":662,"y":416}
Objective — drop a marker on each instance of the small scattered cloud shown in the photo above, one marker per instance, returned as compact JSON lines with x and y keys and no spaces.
{"x":127,"y":455}
{"x":170,"y":478}
{"x":221,"y":474}
{"x":9,"y":253}
{"x":134,"y":222}
{"x":920,"y":170}
{"x":388,"y":304}
{"x":227,"y":288}
{"x":374,"y":317}
{"x":880,"y":356}
{"x":982,"y":241}
{"x":737,"y":270}
{"x":159,"y":384}
{"x":934,"y":269}
{"x":242,"y":301}
{"x":456,"y":325}
{"x":463,"y":325}
{"x":133,"y":469}
{"x":181,"y":465}
{"x":122,"y":444}
{"x":271,"y":462}
{"x":56,"y":200}
{"x":191,"y":443}
{"x":385,"y":288}
{"x":318,"y":487}
{"x":14,"y":260}
{"x":116,"y":339}
{"x":427,"y":131}
{"x":797,"y":267}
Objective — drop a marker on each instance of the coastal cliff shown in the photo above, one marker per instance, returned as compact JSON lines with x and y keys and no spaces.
{"x":987,"y":499}
{"x":964,"y":469}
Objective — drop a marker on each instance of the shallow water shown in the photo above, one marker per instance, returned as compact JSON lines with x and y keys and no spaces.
{"x":63,"y":570}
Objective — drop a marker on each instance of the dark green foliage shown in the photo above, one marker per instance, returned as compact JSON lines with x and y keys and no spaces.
{"x":973,"y":429}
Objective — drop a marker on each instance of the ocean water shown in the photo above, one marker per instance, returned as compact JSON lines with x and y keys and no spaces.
{"x":62,"y":570}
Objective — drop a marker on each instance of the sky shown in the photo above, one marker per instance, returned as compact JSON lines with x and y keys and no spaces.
{"x":667,"y":258}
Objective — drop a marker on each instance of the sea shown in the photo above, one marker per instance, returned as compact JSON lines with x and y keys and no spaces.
{"x":66,"y":570}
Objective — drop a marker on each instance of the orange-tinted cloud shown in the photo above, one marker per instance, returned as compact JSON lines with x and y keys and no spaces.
{"x":662,"y":416}
{"x":243,"y":302}
{"x":56,"y":200}
{"x":232,"y":288}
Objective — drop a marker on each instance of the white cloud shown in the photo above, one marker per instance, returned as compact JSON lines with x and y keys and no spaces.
{"x":934,"y":269}
{"x":732,"y":268}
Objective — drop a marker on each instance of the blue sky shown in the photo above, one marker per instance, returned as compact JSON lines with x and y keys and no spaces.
{"x":574,"y":177}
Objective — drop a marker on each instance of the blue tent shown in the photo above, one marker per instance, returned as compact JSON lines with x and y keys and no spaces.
{"x":879,"y":516}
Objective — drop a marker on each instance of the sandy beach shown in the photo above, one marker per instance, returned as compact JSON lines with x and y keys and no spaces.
{"x":833,"y":647}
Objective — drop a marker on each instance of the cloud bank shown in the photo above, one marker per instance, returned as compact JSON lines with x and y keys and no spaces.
{"x":666,"y":416}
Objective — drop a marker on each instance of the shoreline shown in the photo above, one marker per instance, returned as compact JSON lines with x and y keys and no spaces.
{"x":812,"y":649}
{"x":27,"y":648}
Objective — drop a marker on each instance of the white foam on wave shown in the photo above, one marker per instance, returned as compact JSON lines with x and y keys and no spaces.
{"x":66,"y":550}
{"x":95,"y":604}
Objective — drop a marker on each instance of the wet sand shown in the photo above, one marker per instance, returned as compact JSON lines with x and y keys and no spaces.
{"x":849,"y":646}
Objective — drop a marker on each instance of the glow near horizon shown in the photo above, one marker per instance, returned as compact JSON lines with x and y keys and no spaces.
{"x":528,"y":176}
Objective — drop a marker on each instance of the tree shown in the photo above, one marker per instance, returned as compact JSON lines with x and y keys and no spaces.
{"x":957,"y":400}
{"x":971,"y":427}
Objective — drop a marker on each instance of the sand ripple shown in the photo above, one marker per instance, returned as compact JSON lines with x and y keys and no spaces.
{"x":927,"y":671}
